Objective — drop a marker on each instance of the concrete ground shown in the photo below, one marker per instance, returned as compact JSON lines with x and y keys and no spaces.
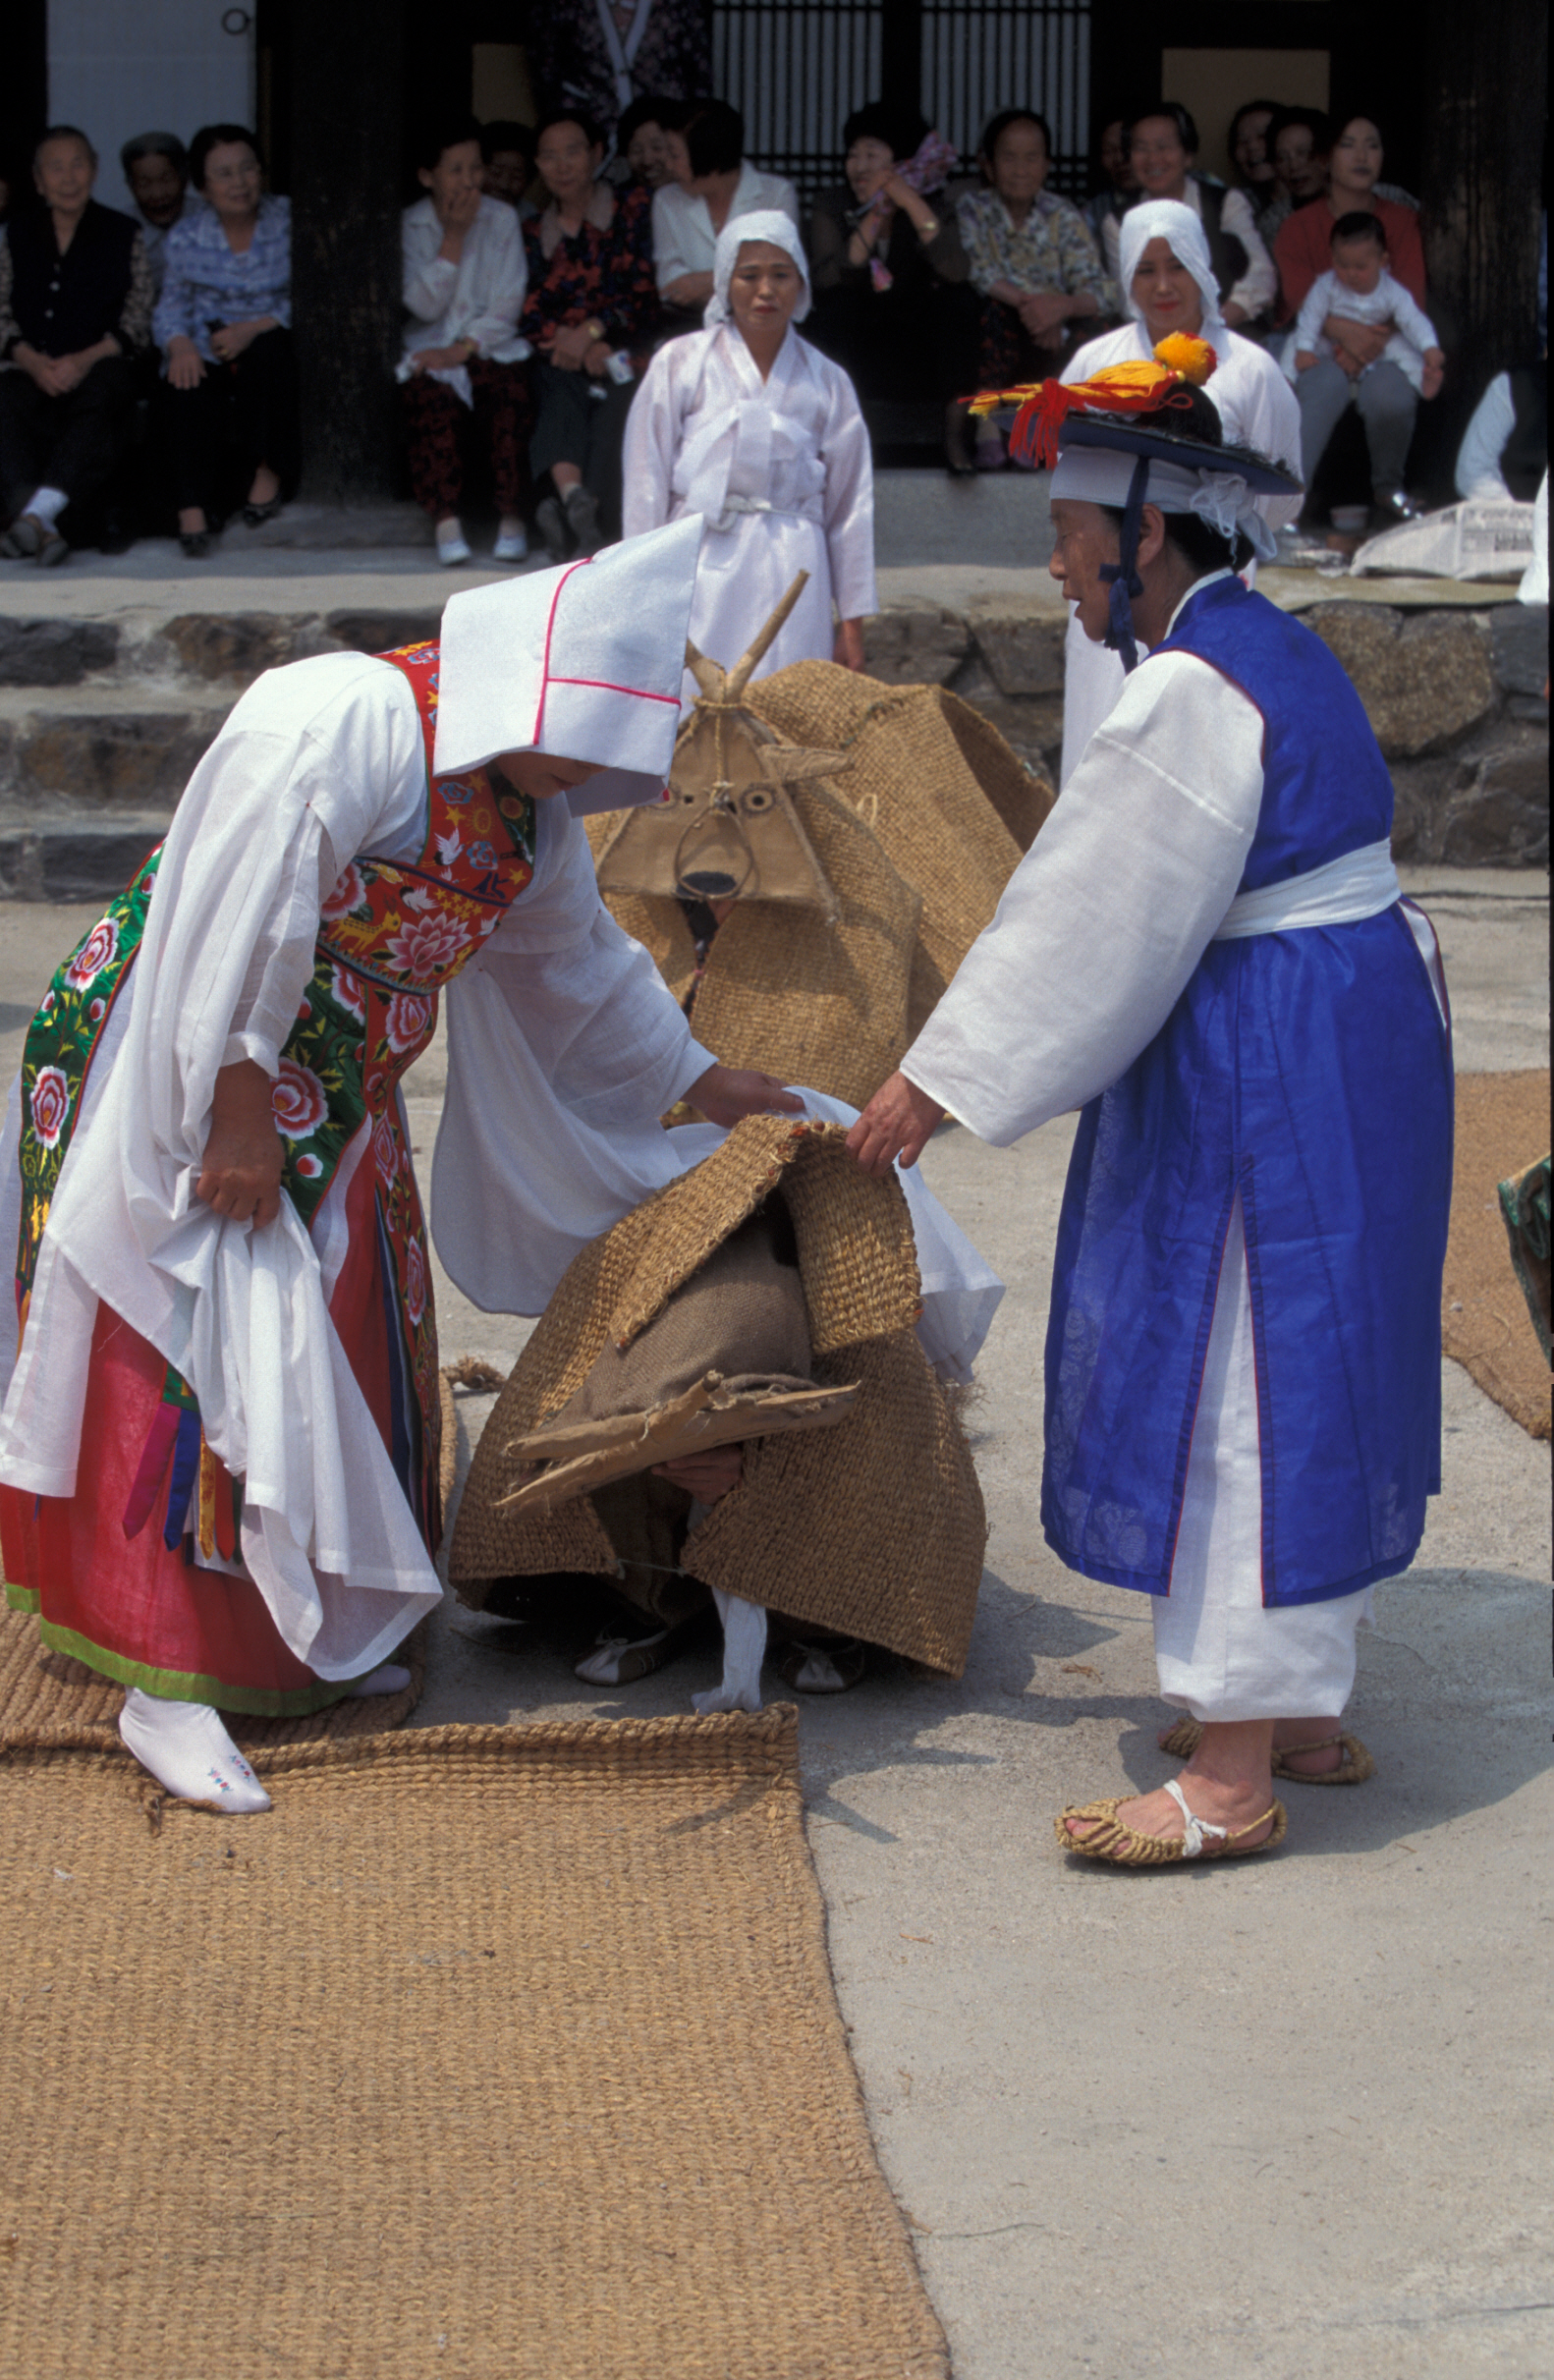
{"x":1265,"y":2117}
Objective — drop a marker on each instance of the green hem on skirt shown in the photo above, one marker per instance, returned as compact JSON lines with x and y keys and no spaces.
{"x":21,"y":1598}
{"x":178,"y":1686}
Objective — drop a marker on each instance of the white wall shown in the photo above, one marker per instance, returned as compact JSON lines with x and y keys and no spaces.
{"x":121,"y":67}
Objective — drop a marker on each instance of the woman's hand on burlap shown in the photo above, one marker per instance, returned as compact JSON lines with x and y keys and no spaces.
{"x":898,"y":1122}
{"x":240,"y":1174}
{"x":727,"y":1093}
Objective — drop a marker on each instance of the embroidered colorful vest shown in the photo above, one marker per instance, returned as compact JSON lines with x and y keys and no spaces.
{"x":391,"y":935}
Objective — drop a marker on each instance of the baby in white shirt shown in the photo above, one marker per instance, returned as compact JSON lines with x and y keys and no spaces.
{"x":1361,"y":287}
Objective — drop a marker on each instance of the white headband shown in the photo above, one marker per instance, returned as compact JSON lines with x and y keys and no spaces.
{"x":1169,"y":220}
{"x":1104,"y":475}
{"x":769,"y":224}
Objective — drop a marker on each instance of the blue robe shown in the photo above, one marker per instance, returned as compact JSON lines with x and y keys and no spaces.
{"x":1310,"y":1071}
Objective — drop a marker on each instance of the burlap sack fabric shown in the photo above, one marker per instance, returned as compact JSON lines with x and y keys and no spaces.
{"x":917,"y":836}
{"x":874,"y":1528}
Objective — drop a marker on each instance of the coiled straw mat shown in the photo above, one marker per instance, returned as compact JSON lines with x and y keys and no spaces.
{"x":917,"y":837}
{"x":875,"y":1526}
{"x":488,"y":2054}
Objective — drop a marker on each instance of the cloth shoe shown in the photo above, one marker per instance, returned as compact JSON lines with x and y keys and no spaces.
{"x":511,"y":546}
{"x":452,"y":548}
{"x":190,"y":1752}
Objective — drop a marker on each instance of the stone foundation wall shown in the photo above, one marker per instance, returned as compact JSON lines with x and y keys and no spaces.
{"x":100,"y":724}
{"x":1458,"y":699}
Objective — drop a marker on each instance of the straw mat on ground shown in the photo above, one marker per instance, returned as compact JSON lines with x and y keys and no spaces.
{"x":1502,"y":1126}
{"x":48,"y":1700}
{"x":490,"y":2053}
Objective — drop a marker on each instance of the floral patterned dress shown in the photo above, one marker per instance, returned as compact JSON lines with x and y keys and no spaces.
{"x":169,"y":1606}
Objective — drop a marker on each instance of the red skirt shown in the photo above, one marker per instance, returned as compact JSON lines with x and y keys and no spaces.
{"x":127,"y":1604}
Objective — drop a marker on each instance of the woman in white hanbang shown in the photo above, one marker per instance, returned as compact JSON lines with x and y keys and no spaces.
{"x":219,"y":1452}
{"x":749,"y":425}
{"x":1168,"y":283}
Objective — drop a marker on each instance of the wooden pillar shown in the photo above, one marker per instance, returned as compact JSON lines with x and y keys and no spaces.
{"x":1485,"y":95}
{"x":348,"y":73}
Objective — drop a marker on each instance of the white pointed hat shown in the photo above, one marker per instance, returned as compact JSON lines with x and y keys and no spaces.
{"x":584,"y":663}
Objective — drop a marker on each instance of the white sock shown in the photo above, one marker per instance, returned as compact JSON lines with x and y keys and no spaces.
{"x":45,"y":504}
{"x":391,"y":1678}
{"x":186,"y":1748}
{"x":744,"y":1651}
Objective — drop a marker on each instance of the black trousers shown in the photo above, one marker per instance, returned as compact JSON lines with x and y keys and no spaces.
{"x":239,"y":416}
{"x":75,"y":442}
{"x":573,"y":424}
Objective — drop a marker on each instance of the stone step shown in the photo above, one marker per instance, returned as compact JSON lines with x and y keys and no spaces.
{"x":142,"y":647}
{"x":84,"y":854}
{"x":104,"y":748}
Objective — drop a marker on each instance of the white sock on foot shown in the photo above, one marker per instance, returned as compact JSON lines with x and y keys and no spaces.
{"x":187,"y":1750}
{"x":452,"y":545}
{"x":391,"y":1678}
{"x":45,"y":504}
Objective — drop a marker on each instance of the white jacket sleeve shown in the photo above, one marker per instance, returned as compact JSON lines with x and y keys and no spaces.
{"x":1483,"y":443}
{"x":849,"y":504}
{"x":652,"y":435}
{"x":1259,"y":285}
{"x":1104,"y":921}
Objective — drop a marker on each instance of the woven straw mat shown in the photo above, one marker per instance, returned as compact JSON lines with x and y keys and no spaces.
{"x":486,"y":2054}
{"x":875,"y":1527}
{"x":1502,"y":1126}
{"x":49,"y":1702}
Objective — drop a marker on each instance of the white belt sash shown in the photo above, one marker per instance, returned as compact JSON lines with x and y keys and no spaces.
{"x":1362,"y":884}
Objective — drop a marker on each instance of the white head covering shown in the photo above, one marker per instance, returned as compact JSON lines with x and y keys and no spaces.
{"x":584,"y":663}
{"x":767,"y":223}
{"x":1168,"y":219}
{"x":1100,"y":474}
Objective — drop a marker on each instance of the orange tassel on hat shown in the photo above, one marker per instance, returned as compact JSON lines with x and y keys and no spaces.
{"x":1121,"y":388}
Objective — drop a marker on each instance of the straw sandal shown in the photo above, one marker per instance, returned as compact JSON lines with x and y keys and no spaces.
{"x":1356,"y":1767}
{"x":1123,"y":1845}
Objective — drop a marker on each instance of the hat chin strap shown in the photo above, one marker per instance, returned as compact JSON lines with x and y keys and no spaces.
{"x":1122,"y":575}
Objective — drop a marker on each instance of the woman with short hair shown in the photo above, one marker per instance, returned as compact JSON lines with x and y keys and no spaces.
{"x":74,"y":312}
{"x":463,"y":372}
{"x":590,"y":315}
{"x":1162,"y":145}
{"x":710,"y":183}
{"x":223,"y":323}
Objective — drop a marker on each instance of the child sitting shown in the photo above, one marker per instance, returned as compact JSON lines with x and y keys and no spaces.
{"x":1360,"y":289}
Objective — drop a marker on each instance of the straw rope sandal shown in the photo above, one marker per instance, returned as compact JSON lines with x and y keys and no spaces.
{"x":1183,"y":1741}
{"x":1108,"y":1839}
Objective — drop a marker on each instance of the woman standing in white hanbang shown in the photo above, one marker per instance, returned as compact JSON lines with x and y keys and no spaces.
{"x":205,"y":1171}
{"x":1168,"y":283}
{"x":747,"y":424}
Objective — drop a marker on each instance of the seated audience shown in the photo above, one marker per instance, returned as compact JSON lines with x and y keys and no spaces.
{"x":1162,"y":146}
{"x":507,"y":151}
{"x":1505,"y":447}
{"x":1251,"y":157}
{"x":155,"y":165}
{"x":463,"y":366}
{"x":892,"y":299}
{"x":641,"y":147}
{"x":1037,"y":268}
{"x":1170,"y":289}
{"x":223,"y":323}
{"x":74,"y":313}
{"x":590,"y":313}
{"x":1358,"y":286}
{"x":747,"y":424}
{"x":1114,"y":180}
{"x":710,"y":183}
{"x":1303,"y":250}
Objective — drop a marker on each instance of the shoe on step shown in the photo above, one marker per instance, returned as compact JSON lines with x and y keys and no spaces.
{"x":551,"y":522}
{"x":511,"y":546}
{"x":583,"y":519}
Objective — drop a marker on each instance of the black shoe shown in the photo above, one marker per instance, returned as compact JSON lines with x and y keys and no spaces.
{"x":583,"y":519}
{"x":256,"y":515}
{"x":551,"y":522}
{"x":195,"y":543}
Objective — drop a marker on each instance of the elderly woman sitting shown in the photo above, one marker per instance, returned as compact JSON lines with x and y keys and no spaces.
{"x":1168,"y":281}
{"x":1032,"y":260}
{"x":463,"y":365}
{"x":590,"y":314}
{"x":223,"y":323}
{"x":75,"y":309}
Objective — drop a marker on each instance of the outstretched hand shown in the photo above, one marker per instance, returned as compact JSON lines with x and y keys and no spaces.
{"x":898,"y":1122}
{"x":726,"y":1093}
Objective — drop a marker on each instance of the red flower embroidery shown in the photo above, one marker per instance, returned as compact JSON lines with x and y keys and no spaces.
{"x":298,"y":1101}
{"x":425,"y":948}
{"x":346,"y":991}
{"x":308,"y":1166}
{"x":100,"y":946}
{"x":50,"y":1104}
{"x":349,"y":894}
{"x":407,"y":1022}
{"x":415,"y":1285}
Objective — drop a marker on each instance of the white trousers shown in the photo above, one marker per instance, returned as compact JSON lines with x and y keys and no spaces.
{"x":1220,"y":1653}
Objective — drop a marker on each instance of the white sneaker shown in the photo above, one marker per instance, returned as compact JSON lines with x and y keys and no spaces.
{"x":451,"y":547}
{"x":511,"y":546}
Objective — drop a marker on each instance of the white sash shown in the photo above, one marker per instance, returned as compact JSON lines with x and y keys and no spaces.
{"x":622,"y":54}
{"x":1362,"y":884}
